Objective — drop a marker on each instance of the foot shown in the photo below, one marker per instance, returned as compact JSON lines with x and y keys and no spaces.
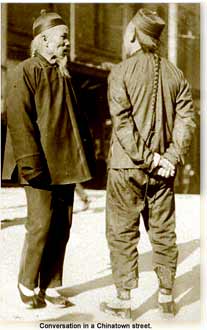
{"x":166,"y":303}
{"x":53,"y":297}
{"x":30,"y":298}
{"x":119,"y":306}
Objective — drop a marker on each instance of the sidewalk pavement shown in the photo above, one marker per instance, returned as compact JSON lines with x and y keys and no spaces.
{"x":87,"y":270}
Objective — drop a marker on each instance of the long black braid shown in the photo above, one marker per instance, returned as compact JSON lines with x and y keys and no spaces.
{"x":154,"y":96}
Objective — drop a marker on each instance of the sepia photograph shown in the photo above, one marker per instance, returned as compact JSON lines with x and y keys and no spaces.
{"x":101,"y":216}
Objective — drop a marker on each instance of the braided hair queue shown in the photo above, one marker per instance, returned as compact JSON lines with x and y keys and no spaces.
{"x":154,"y":96}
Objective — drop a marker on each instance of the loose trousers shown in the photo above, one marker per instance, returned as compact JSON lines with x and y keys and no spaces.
{"x":131,"y":193}
{"x":47,"y":233}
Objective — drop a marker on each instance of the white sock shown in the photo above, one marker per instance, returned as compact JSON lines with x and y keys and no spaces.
{"x":52,"y":292}
{"x":36,"y":291}
{"x":26,"y":291}
{"x":165,"y":298}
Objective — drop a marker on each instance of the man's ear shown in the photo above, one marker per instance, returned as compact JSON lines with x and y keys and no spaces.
{"x":130,"y":41}
{"x":133,"y":37}
{"x":132,"y":33}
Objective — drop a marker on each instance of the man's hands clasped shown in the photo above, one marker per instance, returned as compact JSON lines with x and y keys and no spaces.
{"x":164,"y":167}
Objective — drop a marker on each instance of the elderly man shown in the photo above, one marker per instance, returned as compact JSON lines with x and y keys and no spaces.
{"x":53,"y":151}
{"x":153,"y":122}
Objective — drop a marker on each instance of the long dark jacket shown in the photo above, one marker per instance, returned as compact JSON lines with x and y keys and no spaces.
{"x":47,"y":130}
{"x":130,"y":96}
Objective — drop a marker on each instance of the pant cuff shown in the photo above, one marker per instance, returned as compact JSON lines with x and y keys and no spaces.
{"x":128,"y":282}
{"x":166,"y":277}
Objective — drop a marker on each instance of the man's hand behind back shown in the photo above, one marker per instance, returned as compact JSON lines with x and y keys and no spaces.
{"x":164,"y":167}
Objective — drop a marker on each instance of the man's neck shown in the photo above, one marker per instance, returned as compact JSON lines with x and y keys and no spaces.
{"x":134,"y":48}
{"x":50,"y":58}
{"x":60,"y":62}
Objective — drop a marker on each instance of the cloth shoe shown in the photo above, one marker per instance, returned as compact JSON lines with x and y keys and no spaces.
{"x":34,"y":301}
{"x":119,"y":306}
{"x":58,"y":300}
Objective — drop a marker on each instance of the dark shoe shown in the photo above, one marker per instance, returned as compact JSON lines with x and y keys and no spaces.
{"x":32,"y":301}
{"x":59,"y":300}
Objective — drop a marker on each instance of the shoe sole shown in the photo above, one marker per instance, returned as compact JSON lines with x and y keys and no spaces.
{"x":34,"y":306}
{"x":124,"y":313}
{"x":65,"y":304}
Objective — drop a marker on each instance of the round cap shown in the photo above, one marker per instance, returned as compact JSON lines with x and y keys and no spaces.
{"x":46,"y":21}
{"x":148,"y":22}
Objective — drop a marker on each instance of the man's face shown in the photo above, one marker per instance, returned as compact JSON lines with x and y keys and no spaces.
{"x":57,"y":41}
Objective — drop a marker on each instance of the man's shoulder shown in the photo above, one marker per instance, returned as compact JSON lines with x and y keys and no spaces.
{"x":121,"y":67}
{"x":127,"y":63}
{"x":28,"y":65}
{"x":171,"y":68}
{"x":29,"y":70}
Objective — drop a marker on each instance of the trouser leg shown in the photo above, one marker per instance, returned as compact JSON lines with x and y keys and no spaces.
{"x":47,"y":232}
{"x":51,"y":268}
{"x":125,"y":200}
{"x":162,"y":233}
{"x":39,"y":205}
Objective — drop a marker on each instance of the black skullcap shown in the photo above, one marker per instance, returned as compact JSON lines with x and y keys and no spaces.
{"x":46,"y":21}
{"x":148,"y":22}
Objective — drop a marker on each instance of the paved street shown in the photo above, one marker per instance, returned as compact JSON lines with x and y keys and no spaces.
{"x":87,"y":271}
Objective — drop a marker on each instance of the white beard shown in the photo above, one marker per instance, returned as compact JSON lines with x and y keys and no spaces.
{"x":62,"y":65}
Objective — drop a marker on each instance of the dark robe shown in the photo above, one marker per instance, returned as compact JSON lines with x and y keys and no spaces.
{"x":49,"y":135}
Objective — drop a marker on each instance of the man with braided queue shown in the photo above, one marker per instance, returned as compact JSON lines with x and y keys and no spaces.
{"x":53,"y":152}
{"x":153,"y":122}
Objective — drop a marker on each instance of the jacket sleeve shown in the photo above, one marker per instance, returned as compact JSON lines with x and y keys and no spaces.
{"x":21,"y":114}
{"x":123,"y":122}
{"x":184,"y":125}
